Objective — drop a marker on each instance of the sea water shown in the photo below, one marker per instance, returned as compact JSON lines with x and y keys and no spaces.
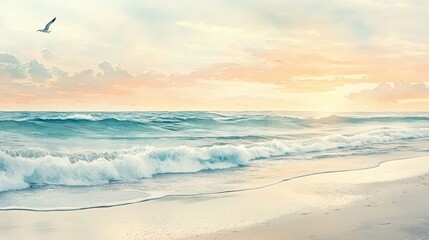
{"x":78,"y":160}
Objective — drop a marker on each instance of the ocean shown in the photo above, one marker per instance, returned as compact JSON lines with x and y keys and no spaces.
{"x":80,"y":160}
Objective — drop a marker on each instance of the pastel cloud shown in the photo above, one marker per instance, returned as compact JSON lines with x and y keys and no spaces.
{"x":315,"y":81}
{"x":10,"y":67}
{"x":37,"y":71}
{"x":392,"y":93}
{"x":48,"y":55}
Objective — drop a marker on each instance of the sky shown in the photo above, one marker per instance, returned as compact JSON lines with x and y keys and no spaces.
{"x":215,"y":55}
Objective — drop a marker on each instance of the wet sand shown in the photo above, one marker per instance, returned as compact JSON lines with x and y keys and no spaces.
{"x":393,"y":205}
{"x":384,"y":202}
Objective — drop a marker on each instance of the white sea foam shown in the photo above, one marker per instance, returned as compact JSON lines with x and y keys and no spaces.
{"x":21,"y":169}
{"x":76,"y":116}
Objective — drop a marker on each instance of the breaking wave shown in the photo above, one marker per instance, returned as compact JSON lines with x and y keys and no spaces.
{"x":21,"y":169}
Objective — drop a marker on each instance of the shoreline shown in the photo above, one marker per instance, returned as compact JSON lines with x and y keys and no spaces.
{"x":357,"y":167}
{"x":212,"y":216}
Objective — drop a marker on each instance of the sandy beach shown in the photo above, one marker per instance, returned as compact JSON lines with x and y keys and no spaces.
{"x":391,"y":203}
{"x":379,"y":201}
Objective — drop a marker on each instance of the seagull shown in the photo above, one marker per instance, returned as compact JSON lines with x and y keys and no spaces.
{"x":46,"y":29}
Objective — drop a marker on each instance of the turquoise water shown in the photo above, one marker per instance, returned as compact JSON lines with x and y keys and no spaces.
{"x":116,"y":157}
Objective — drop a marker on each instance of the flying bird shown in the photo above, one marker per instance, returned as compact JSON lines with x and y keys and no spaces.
{"x":46,"y":29}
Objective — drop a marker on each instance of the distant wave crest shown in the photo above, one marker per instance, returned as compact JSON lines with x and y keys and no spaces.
{"x":73,"y":124}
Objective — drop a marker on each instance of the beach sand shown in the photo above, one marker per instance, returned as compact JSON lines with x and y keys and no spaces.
{"x":393,"y":204}
{"x":388,"y":201}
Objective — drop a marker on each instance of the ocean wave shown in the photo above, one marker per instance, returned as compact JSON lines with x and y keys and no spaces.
{"x":75,"y":116}
{"x":21,"y":169}
{"x":185,"y":120}
{"x":334,"y":119}
{"x":207,"y":118}
{"x":51,"y":116}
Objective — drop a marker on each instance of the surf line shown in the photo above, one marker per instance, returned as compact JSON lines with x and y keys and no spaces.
{"x":206,"y":193}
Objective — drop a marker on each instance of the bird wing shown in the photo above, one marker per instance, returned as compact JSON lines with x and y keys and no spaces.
{"x":49,"y":24}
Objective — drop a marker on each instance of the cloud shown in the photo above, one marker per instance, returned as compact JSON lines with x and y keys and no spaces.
{"x":8,"y":59}
{"x":110,"y":72}
{"x":48,"y":55}
{"x":33,"y":73}
{"x":13,"y":71}
{"x":290,"y":70}
{"x":10,"y":68}
{"x":37,"y":71}
{"x":280,"y":80}
{"x":392,"y":93}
